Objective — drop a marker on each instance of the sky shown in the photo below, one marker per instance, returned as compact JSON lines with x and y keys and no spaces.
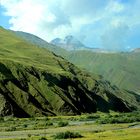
{"x":107,"y":24}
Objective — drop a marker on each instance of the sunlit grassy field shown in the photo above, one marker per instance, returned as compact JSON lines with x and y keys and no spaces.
{"x":84,"y":127}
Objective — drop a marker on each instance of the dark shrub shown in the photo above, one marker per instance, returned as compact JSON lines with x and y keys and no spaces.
{"x":49,"y":123}
{"x":67,"y":134}
{"x":92,"y":117}
{"x":62,"y":124}
{"x":42,"y":138}
{"x":12,"y":129}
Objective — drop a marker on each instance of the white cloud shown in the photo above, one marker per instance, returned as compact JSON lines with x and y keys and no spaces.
{"x":115,"y":7}
{"x":86,"y":19}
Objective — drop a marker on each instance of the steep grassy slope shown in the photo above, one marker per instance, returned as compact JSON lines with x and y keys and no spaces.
{"x":40,"y":42}
{"x":36,"y":82}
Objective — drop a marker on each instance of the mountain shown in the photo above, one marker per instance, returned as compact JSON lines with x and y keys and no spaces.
{"x":68,"y":43}
{"x":32,"y":38}
{"x":36,"y":82}
{"x":121,"y":69}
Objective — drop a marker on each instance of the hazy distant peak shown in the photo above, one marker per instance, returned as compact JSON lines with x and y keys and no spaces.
{"x":71,"y":43}
{"x":68,"y":43}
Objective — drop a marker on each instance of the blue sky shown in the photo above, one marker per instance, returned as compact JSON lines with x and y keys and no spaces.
{"x":4,"y":20}
{"x":107,"y":24}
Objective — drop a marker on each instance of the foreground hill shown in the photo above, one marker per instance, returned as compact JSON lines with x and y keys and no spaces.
{"x":36,"y":82}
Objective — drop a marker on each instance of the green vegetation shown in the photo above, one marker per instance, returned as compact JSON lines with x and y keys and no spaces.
{"x":119,"y":118}
{"x":121,"y":69}
{"x":42,"y":138}
{"x":80,"y":127}
{"x":62,"y":124}
{"x":41,"y":43}
{"x":49,"y":123}
{"x":67,"y":134}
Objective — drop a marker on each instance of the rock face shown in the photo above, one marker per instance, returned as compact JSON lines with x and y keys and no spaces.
{"x":36,"y":82}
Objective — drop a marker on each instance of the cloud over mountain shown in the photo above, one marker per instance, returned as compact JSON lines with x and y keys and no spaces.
{"x":108,"y":24}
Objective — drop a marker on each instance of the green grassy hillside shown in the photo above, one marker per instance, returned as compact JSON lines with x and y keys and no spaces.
{"x":35,"y":40}
{"x":36,"y":82}
{"x":122,"y":69}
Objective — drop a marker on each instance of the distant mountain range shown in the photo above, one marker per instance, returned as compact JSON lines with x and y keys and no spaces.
{"x":120,"y":68}
{"x":70,"y":43}
{"x":36,"y":82}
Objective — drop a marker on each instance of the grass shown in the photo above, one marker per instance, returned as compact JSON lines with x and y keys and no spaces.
{"x":127,"y":134}
{"x":119,"y":118}
{"x":19,"y":124}
{"x":79,"y":126}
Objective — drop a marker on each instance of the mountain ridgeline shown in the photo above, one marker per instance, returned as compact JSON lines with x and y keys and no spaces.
{"x":37,"y":82}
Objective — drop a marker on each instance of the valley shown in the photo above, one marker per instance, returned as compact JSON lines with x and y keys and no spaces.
{"x":69,"y":70}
